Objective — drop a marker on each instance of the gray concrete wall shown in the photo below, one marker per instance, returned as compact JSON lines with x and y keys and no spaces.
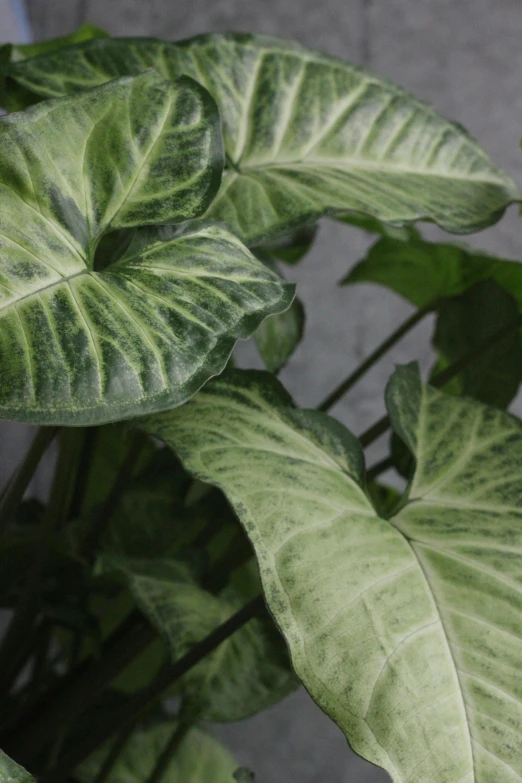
{"x":465,"y":57}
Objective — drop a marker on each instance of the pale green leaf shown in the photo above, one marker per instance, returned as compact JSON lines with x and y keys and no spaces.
{"x":407,"y":632}
{"x":306,"y":134}
{"x":12,"y":773}
{"x":246,"y":674}
{"x":200,"y":758}
{"x":82,"y":346}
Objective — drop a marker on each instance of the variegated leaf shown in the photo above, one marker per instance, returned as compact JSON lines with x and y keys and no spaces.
{"x":11,"y":772}
{"x":82,"y":342}
{"x":407,"y":631}
{"x":306,"y":134}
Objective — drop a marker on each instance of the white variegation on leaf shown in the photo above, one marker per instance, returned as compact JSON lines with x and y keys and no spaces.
{"x":82,"y":343}
{"x":306,"y":134}
{"x":11,"y":772}
{"x":406,"y":631}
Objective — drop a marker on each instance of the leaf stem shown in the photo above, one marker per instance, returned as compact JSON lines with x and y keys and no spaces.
{"x":142,"y":701}
{"x":374,"y":357}
{"x":442,"y":378}
{"x":104,"y":514}
{"x":116,"y":749}
{"x":19,"y":482}
{"x":55,"y":515}
{"x":75,"y":692}
{"x":167,"y":753}
{"x":378,"y":468}
{"x":84,"y":464}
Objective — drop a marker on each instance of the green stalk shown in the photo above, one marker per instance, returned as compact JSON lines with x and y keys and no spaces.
{"x":117,"y":748}
{"x":55,"y":515}
{"x":378,"y":468}
{"x":374,"y":357}
{"x":143,"y":701}
{"x":19,"y":482}
{"x":84,"y":465}
{"x":104,"y":514}
{"x":78,"y":690}
{"x":168,"y":752}
{"x":442,"y":378}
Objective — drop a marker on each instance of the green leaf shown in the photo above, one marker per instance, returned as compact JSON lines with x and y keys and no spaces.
{"x":84,"y":33}
{"x":407,"y":632}
{"x":246,"y":674}
{"x":12,"y":773}
{"x":13,"y":97}
{"x":151,"y":519}
{"x":109,"y":449}
{"x":279,"y":335}
{"x":106,"y":613}
{"x":200,"y":758}
{"x":383,"y":497}
{"x":79,"y":346}
{"x":306,"y":134}
{"x":244,"y":775}
{"x":465,"y":322}
{"x":402,"y":457}
{"x":290,"y":248}
{"x":425,"y":272}
{"x":373,"y":226}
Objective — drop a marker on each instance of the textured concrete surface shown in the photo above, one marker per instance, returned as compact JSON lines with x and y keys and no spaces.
{"x":465,"y":58}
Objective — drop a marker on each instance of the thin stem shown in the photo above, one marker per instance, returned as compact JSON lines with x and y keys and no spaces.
{"x":75,"y":692}
{"x":116,"y":749}
{"x":82,"y":477}
{"x":41,"y":659}
{"x":78,"y":690}
{"x":19,"y":482}
{"x":104,"y":514}
{"x":375,"y":431}
{"x":166,"y":755}
{"x":54,"y":516}
{"x":378,"y":468}
{"x":442,"y":378}
{"x":144,"y":700}
{"x":374,"y":357}
{"x":239,"y":551}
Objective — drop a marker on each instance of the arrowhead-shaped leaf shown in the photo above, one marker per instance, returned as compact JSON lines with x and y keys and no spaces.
{"x":306,"y":135}
{"x":200,"y":758}
{"x":11,"y":772}
{"x":80,"y":345}
{"x":248,"y":673}
{"x":407,"y":632}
